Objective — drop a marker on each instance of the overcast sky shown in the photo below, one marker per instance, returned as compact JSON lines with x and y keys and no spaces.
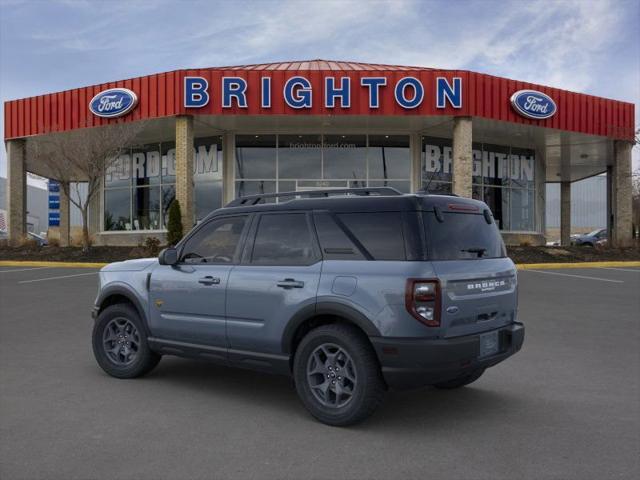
{"x":582,"y":45}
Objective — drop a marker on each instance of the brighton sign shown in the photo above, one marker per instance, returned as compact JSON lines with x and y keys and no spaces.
{"x":533,"y":104}
{"x":298,"y":93}
{"x":113,"y":103}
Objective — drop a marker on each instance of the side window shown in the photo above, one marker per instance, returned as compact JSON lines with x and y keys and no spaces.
{"x":379,"y":233}
{"x":283,"y":239}
{"x":335,"y":244}
{"x":216,"y":242}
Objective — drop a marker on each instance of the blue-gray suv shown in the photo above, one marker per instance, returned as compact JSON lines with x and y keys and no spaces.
{"x":351,"y":292}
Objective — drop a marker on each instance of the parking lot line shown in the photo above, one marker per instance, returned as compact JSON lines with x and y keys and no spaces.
{"x":57,"y":278}
{"x":621,"y":269}
{"x":576,"y":276}
{"x":23,"y":269}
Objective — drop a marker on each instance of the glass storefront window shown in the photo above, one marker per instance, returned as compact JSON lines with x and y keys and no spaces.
{"x":389,"y":156}
{"x":502,"y":176}
{"x":146,"y":208}
{"x":117,"y":209}
{"x":148,"y":175}
{"x":256,"y":156}
{"x":299,"y":156}
{"x":344,"y":157}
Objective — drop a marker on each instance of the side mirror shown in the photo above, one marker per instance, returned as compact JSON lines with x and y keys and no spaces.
{"x":168,"y":256}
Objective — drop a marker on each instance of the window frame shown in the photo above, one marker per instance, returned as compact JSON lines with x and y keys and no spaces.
{"x":239,"y":248}
{"x":247,"y":254}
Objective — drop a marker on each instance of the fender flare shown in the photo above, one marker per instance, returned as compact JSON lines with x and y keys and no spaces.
{"x":123,"y":291}
{"x":337,"y":309}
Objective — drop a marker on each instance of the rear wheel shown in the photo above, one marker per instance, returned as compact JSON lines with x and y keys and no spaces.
{"x":460,"y":381}
{"x":337,"y":375}
{"x":120,"y":343}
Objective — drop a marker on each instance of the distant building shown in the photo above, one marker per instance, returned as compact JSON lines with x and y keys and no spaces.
{"x":37,"y":207}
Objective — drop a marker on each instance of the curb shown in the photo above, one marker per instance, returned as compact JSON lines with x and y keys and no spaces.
{"x":20,"y":263}
{"x":529,"y":266}
{"x":519,"y":266}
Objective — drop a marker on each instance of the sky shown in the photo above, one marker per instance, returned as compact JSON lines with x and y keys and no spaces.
{"x":589,"y":46}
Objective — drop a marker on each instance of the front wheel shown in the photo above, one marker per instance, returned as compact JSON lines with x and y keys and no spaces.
{"x":337,"y":375}
{"x":120,"y":343}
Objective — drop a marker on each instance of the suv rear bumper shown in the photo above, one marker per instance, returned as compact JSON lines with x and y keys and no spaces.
{"x":411,"y":363}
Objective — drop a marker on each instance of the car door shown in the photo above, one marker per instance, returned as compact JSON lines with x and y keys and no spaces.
{"x":187,"y":300}
{"x":278,"y":276}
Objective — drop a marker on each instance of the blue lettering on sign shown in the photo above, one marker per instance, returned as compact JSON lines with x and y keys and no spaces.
{"x":373,"y":84}
{"x":234,"y":87}
{"x":266,"y":92}
{"x":401,"y":94}
{"x":54,"y":186}
{"x":114,"y":102}
{"x":297,"y":93}
{"x":195,"y":92}
{"x":331,"y":92}
{"x":54,"y":219}
{"x":533,"y":104}
{"x":444,"y":92}
{"x":54,"y":204}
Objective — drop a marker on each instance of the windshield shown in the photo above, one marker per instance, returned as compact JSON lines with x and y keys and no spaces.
{"x":462,"y":236}
{"x":594,"y":233}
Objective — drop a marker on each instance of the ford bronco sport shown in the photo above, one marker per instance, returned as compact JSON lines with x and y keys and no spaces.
{"x":350,"y":292}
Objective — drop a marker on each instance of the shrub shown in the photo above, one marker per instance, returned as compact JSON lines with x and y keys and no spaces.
{"x":174,"y":226}
{"x":152,"y":246}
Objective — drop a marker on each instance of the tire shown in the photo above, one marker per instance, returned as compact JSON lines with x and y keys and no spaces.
{"x":460,"y":381}
{"x":340,"y":354}
{"x":119,"y":326}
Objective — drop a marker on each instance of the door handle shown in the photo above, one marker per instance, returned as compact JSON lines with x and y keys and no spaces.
{"x":290,"y":283}
{"x":209,"y":280}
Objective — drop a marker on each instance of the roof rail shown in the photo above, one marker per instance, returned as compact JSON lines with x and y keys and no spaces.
{"x":255,"y":199}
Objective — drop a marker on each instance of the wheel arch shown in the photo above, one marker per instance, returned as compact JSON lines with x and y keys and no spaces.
{"x":321,"y":314}
{"x":116,"y":294}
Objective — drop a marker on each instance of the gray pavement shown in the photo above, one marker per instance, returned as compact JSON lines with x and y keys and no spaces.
{"x":567,"y":406}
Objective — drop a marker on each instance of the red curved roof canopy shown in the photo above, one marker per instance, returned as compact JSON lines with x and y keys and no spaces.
{"x":161,"y":95}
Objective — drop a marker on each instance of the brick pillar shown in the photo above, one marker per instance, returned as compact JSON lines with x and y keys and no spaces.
{"x":184,"y":170}
{"x":65,"y":216}
{"x":565,"y":213}
{"x":16,"y":191}
{"x":462,"y":156}
{"x":228,"y":167}
{"x":621,"y":186}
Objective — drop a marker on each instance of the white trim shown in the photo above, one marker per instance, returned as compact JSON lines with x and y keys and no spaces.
{"x":395,"y":92}
{"x":343,"y":104}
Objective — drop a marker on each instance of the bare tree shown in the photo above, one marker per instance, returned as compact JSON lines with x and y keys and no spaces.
{"x":82,"y":156}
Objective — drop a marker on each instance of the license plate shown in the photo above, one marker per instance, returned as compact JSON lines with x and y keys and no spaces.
{"x":489,"y":343}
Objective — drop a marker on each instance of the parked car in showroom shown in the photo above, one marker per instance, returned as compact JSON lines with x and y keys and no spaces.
{"x":349,"y":292}
{"x":591,"y":239}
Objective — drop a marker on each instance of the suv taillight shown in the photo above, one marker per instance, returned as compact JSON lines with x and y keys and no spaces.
{"x":422,"y":299}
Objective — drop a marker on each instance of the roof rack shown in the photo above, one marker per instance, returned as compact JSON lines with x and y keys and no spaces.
{"x":255,"y":199}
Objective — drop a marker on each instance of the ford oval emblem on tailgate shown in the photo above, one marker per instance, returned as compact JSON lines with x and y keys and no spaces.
{"x":453,"y":309}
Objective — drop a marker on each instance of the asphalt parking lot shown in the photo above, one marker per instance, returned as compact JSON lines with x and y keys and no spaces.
{"x":567,"y":406}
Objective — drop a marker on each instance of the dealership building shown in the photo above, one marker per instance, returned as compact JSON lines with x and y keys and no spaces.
{"x":207,"y":136}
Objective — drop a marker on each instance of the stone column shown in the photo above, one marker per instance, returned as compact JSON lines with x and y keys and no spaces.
{"x":16,"y":191}
{"x":621,"y":185}
{"x":228,"y":167}
{"x":565,"y":213}
{"x":184,"y":170}
{"x":462,"y":156}
{"x":65,"y":216}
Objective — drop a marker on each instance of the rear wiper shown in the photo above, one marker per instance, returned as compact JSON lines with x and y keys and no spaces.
{"x":479,"y":251}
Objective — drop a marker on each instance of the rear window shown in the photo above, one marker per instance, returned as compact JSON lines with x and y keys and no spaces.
{"x":462,"y":236}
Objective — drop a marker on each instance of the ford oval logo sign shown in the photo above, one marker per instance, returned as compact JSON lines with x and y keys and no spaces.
{"x":114,"y":102}
{"x":533,"y":104}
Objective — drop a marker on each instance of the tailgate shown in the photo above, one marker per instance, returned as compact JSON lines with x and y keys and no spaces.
{"x":477,"y":295}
